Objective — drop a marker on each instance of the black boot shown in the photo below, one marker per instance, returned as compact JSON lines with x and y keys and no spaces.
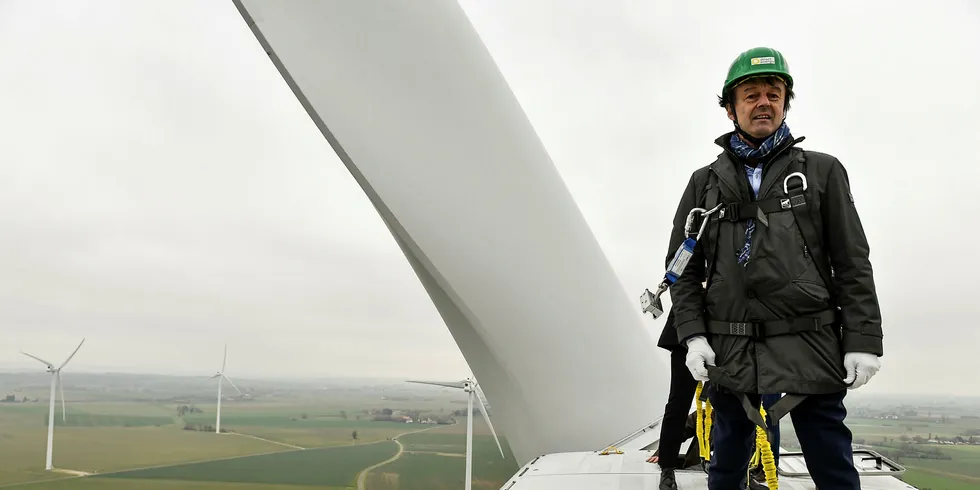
{"x":667,"y":481}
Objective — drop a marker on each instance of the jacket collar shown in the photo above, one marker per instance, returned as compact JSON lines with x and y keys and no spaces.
{"x":731,"y":172}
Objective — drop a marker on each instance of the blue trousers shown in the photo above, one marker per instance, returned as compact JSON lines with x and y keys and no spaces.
{"x":819,"y":424}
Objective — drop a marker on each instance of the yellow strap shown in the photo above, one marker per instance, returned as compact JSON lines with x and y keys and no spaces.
{"x":764,"y":449}
{"x":610,"y":450}
{"x":703,"y":424}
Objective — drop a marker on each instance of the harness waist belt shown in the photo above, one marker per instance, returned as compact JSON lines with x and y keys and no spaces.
{"x":772,"y":328}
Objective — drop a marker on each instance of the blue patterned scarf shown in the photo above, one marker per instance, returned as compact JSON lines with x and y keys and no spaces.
{"x":754,"y":174}
{"x":746,"y":152}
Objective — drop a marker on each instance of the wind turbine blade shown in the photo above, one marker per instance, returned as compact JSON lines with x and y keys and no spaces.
{"x":233,"y":385}
{"x":224,"y":360}
{"x":39,"y":359}
{"x":72,"y":354}
{"x":483,"y":411}
{"x":448,"y":384}
{"x":61,"y":388}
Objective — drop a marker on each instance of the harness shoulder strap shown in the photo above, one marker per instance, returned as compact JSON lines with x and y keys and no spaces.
{"x":712,"y":196}
{"x":808,"y":218}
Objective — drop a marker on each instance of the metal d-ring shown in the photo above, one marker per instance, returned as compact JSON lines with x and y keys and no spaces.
{"x":794,"y":174}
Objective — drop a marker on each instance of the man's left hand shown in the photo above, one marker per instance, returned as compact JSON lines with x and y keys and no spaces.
{"x":860,"y":366}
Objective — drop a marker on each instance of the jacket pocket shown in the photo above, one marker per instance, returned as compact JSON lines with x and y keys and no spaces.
{"x":779,"y":255}
{"x":816,"y":291}
{"x":814,"y":357}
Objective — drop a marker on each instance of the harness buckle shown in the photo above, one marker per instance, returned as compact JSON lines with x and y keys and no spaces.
{"x":729,"y":212}
{"x":749,"y":329}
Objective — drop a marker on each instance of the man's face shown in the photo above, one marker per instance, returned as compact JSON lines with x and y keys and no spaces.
{"x":759,"y":107}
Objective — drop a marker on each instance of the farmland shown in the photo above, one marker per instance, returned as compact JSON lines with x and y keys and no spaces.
{"x":436,"y":460}
{"x":902,"y":431}
{"x":299,"y":437}
{"x":332,"y":466}
{"x":157,"y":433}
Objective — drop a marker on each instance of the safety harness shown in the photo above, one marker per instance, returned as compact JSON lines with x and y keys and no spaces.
{"x":808,"y":220}
{"x":798,"y":200}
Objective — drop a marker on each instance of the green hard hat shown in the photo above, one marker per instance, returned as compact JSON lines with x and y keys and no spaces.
{"x":757,"y":62}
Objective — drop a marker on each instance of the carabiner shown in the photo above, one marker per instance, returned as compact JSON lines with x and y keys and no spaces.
{"x":650,"y":302}
{"x":690,"y":220}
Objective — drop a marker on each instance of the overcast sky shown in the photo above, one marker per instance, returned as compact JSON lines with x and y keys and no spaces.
{"x":162,"y":192}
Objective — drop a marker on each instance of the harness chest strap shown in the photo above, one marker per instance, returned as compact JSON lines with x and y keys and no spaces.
{"x":740,"y":211}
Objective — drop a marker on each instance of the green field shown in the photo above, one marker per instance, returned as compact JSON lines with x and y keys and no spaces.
{"x":146,"y":444}
{"x":959,"y":473}
{"x":435,"y":460}
{"x":134,"y":484}
{"x":884,"y":435}
{"x":333,"y":466}
{"x":126,"y":432}
{"x":426,"y":471}
{"x":24,"y":439}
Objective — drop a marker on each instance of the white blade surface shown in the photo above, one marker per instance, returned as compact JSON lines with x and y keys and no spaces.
{"x":233,"y":384}
{"x":61,"y":389}
{"x":448,"y":384}
{"x":72,"y":354}
{"x":533,"y":324}
{"x":50,"y":365}
{"x":224,"y":359}
{"x":486,"y":417}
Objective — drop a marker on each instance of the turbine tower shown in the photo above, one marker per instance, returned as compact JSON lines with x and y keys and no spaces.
{"x":221,"y":376}
{"x":55,"y":384}
{"x":470,"y":386}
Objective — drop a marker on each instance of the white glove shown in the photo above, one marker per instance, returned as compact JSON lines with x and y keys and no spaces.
{"x":860,"y":367}
{"x":699,"y":354}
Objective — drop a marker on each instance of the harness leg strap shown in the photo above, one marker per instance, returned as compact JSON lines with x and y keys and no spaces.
{"x":784,"y":406}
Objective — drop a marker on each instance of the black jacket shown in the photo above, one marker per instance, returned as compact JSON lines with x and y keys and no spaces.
{"x":668,"y":336}
{"x":780,"y":280}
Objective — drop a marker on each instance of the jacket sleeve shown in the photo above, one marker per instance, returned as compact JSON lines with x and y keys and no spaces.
{"x":848,"y":249}
{"x":687,"y":294}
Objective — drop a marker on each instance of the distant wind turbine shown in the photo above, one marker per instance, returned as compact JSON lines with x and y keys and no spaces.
{"x":470,"y":386}
{"x":55,"y":383}
{"x":221,"y":376}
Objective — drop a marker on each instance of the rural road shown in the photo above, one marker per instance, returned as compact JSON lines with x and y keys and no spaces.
{"x":362,"y":476}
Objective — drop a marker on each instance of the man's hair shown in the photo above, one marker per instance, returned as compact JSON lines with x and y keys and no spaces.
{"x":726,"y":97}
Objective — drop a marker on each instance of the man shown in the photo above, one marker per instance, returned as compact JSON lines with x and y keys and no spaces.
{"x":673,"y":429}
{"x":789,"y":302}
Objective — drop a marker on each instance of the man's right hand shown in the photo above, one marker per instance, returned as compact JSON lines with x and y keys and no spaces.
{"x":699,"y":354}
